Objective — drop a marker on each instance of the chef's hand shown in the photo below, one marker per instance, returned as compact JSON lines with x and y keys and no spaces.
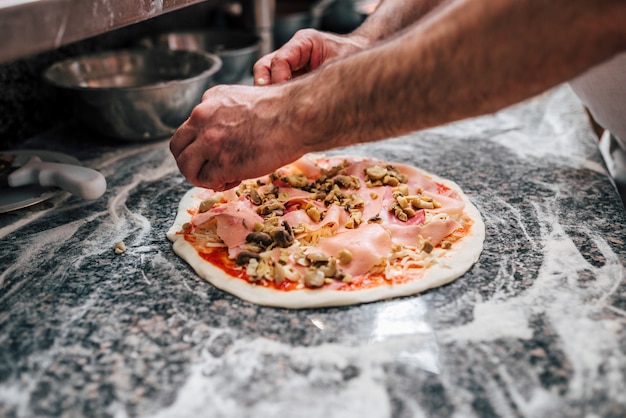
{"x":307,"y":50}
{"x":236,"y":133}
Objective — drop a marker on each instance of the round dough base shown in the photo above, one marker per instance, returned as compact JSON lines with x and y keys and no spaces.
{"x":451,"y":265}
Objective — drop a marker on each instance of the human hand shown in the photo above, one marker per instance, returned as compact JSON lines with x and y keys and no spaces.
{"x":307,"y":50}
{"x":237,"y":132}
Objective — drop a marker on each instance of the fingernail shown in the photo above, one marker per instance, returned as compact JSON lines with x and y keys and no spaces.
{"x":261,"y":81}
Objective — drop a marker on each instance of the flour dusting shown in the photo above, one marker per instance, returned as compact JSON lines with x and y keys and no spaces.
{"x":276,"y":379}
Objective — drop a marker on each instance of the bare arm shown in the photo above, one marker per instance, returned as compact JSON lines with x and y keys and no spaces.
{"x":391,"y":16}
{"x":463,"y":59}
{"x":466,"y":59}
{"x":309,"y":48}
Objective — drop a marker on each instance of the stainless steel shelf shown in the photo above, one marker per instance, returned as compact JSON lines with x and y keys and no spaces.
{"x":28,"y":27}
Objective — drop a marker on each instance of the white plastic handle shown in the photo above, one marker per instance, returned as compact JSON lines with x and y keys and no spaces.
{"x":80,"y":181}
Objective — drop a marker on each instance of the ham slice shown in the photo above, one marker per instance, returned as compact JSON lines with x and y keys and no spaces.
{"x":297,"y":217}
{"x":451,"y":203}
{"x":368,"y":245}
{"x":435,"y":231}
{"x":304,"y":165}
{"x":235,"y":220}
{"x":373,"y":205}
{"x":334,"y":216}
{"x":369,"y":242}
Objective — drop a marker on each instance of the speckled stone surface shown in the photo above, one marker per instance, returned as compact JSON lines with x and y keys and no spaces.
{"x":537,"y":328}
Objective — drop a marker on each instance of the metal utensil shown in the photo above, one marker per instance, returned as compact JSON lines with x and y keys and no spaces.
{"x":132,"y":94}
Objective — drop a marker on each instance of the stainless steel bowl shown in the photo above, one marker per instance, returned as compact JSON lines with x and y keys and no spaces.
{"x":134,"y":94}
{"x":290,"y":18}
{"x":237,"y":49}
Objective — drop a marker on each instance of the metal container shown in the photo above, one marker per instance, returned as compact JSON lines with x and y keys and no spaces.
{"x":291,"y":17}
{"x":343,"y":16}
{"x":237,"y":49}
{"x":134,"y":94}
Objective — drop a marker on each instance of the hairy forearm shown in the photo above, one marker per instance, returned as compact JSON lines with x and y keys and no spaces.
{"x":467,"y":59}
{"x":391,"y":16}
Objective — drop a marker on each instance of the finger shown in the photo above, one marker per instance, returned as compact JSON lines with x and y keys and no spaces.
{"x":282,"y":64}
{"x":182,"y":138}
{"x":191,"y":164}
{"x":231,"y":184}
{"x":290,"y":60}
{"x":208,"y":178}
{"x":261,"y":70}
{"x":280,"y":72}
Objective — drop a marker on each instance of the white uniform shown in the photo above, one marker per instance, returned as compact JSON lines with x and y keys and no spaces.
{"x":603,"y":90}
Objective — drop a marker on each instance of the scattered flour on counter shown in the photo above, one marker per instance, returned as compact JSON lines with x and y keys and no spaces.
{"x":18,"y":224}
{"x":492,"y":320}
{"x":525,"y":146}
{"x":519,"y":216}
{"x":36,"y":246}
{"x":132,"y":226}
{"x":573,"y":311}
{"x":117,"y":205}
{"x":265,"y":378}
{"x":17,"y":396}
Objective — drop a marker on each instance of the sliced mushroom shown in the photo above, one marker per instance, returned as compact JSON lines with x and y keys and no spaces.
{"x":261,"y":238}
{"x":255,"y":197}
{"x":329,"y":268}
{"x":207,"y":204}
{"x":314,"y":278}
{"x":271,"y":206}
{"x":282,"y":273}
{"x":391,"y":181}
{"x":354,"y":220}
{"x":244,"y":257}
{"x":317,"y":257}
{"x":376,"y":172}
{"x":282,"y":238}
{"x":314,"y":213}
{"x":297,"y":180}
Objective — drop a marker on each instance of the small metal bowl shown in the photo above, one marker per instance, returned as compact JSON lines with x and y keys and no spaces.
{"x":237,"y":49}
{"x":134,"y":94}
{"x":290,"y":18}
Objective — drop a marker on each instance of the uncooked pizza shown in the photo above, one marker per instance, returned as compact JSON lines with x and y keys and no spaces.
{"x":329,"y":231}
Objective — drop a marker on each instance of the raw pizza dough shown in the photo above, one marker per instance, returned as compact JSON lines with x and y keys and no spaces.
{"x":397,"y":259}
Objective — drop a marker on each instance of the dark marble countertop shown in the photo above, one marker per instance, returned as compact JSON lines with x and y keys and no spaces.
{"x":536,"y":328}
